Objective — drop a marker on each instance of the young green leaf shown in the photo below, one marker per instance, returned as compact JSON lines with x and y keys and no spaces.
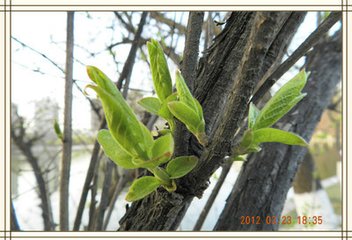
{"x":184,"y":93}
{"x":114,"y":151}
{"x":245,"y":143}
{"x":142,"y":187}
{"x":162,"y":151}
{"x":277,"y":135}
{"x":160,"y":70}
{"x":99,"y":78}
{"x":58,"y":130}
{"x":163,"y":147}
{"x":162,"y":175}
{"x":188,"y":110}
{"x":283,"y":101}
{"x":252,"y":115}
{"x":165,"y":113}
{"x":172,"y":187}
{"x":186,"y":115}
{"x":180,"y":166}
{"x":123,"y":124}
{"x":151,"y":104}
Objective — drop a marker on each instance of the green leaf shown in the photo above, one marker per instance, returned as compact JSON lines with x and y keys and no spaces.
{"x":184,"y":93}
{"x":239,"y":158}
{"x":163,"y":147}
{"x":180,"y":166}
{"x":172,"y":187}
{"x":114,"y":151}
{"x":245,"y":143}
{"x":189,"y":111}
{"x":142,"y":187}
{"x":58,"y":130}
{"x":123,"y":124}
{"x":165,"y":113}
{"x":252,"y":115}
{"x":99,"y":78}
{"x":187,"y":116}
{"x":151,"y":104}
{"x":277,"y":135}
{"x":283,"y":101}
{"x":162,"y":151}
{"x":160,"y":70}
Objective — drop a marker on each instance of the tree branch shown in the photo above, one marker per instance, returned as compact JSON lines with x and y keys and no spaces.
{"x":67,"y":133}
{"x":310,"y":42}
{"x":171,"y":23}
{"x":188,"y":69}
{"x":93,"y":163}
{"x":203,"y":215}
{"x":25,"y":148}
{"x":95,"y":109}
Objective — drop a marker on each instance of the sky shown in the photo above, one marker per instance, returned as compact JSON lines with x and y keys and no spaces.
{"x":35,"y":78}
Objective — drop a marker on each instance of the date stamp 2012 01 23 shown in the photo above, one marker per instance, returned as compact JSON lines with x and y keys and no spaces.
{"x":305,"y":220}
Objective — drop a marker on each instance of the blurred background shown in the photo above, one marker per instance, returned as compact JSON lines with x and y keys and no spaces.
{"x":104,"y":39}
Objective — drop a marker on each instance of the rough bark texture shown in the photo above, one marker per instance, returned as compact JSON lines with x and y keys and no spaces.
{"x":227,"y":74}
{"x":305,"y":181}
{"x":263,"y":192}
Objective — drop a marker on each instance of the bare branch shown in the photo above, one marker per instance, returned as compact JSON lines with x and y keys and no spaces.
{"x":25,"y":148}
{"x":67,"y":133}
{"x":93,"y":163}
{"x":203,"y":215}
{"x":95,"y":109}
{"x":310,"y":42}
{"x":171,"y":23}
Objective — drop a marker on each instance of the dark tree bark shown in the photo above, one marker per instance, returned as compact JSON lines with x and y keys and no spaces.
{"x":244,"y":51}
{"x":263,"y":192}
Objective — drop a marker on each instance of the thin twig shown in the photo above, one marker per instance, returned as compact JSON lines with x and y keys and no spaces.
{"x":93,"y":164}
{"x":95,"y":109}
{"x":67,"y":133}
{"x":296,"y":55}
{"x":203,"y":215}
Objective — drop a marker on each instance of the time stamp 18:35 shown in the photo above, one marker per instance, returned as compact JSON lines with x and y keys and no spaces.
{"x":305,"y":220}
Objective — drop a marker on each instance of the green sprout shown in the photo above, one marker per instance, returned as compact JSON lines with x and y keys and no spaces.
{"x":260,"y":121}
{"x":129,"y":144}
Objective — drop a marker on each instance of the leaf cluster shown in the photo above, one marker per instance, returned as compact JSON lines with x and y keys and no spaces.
{"x":130,"y":144}
{"x":260,"y":121}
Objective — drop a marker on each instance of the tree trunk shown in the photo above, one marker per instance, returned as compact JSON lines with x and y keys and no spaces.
{"x":67,"y":134}
{"x":250,"y":43}
{"x":263,"y":192}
